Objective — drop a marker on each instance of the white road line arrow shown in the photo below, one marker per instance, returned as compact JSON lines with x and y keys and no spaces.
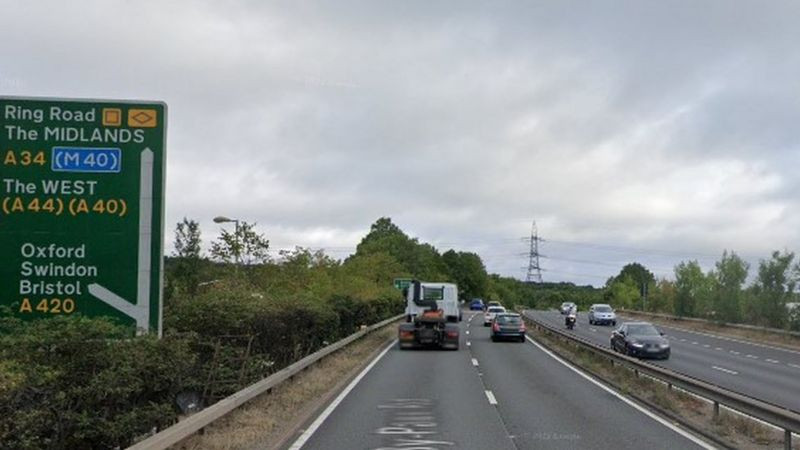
{"x":140,"y":312}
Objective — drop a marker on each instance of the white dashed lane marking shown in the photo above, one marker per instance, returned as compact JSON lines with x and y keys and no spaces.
{"x":773,"y":361}
{"x":751,"y":356}
{"x":722,"y":369}
{"x":469,"y":343}
{"x":474,"y":362}
{"x":694,"y":343}
{"x":490,"y":396}
{"x":735,"y":352}
{"x":794,"y":365}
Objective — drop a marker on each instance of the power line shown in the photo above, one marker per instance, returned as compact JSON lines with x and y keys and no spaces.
{"x":585,"y":275}
{"x":627,"y":249}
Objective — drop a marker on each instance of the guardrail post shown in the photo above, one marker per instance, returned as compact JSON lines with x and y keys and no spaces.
{"x":787,"y":439}
{"x":669,"y":386}
{"x":716,"y":410}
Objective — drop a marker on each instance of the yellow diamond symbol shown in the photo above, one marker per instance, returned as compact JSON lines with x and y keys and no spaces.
{"x":142,"y":118}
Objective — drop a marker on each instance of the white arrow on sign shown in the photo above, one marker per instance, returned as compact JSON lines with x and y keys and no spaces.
{"x":140,"y":312}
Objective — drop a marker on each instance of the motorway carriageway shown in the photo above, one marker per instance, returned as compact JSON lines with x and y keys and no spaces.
{"x":505,"y":395}
{"x":757,"y":370}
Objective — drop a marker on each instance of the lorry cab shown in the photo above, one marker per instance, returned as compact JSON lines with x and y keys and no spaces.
{"x":432,"y":313}
{"x":444,"y":294}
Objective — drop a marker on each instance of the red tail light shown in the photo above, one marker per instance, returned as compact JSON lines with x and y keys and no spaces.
{"x":522,"y":327}
{"x":495,"y":326}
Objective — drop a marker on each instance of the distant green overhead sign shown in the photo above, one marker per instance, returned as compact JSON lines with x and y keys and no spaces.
{"x":402,"y":283}
{"x":82,"y":208}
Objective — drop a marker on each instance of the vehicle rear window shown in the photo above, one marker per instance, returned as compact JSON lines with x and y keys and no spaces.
{"x":497,"y":309}
{"x":508,"y":320}
{"x":602,"y":308}
{"x":429,"y":293}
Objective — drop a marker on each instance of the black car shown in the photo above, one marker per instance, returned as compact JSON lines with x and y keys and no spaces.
{"x":640,"y":339}
{"x":508,"y":326}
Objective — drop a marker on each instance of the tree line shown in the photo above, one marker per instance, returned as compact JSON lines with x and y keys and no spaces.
{"x":721,"y":294}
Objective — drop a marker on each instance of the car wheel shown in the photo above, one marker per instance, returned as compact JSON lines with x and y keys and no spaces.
{"x":494,"y":339}
{"x":522,"y":339}
{"x":614,"y":323}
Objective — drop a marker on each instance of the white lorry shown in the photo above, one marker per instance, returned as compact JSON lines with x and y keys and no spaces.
{"x":432,"y":315}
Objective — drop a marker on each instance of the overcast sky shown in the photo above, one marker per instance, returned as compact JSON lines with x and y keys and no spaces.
{"x":654,"y":131}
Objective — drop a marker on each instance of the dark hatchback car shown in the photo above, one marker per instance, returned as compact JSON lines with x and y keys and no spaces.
{"x":640,"y":339}
{"x":508,"y":326}
{"x":476,"y":305}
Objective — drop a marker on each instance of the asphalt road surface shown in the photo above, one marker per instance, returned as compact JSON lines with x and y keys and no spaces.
{"x":487,"y":395}
{"x":768,"y":373}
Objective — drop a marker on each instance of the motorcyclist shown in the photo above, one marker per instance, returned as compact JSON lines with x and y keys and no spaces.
{"x":572,"y":316}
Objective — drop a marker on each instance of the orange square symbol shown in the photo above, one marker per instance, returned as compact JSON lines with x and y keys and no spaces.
{"x":142,"y":118}
{"x":112,"y":117}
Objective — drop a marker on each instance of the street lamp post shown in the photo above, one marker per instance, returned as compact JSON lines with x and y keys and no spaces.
{"x":223,"y":219}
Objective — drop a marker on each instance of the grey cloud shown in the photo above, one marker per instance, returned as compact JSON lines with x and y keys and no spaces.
{"x":646,"y":124}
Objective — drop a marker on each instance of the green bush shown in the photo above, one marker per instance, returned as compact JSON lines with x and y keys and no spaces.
{"x":73,"y":382}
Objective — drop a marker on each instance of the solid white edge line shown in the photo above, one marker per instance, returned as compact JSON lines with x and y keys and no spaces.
{"x":298,"y":444}
{"x":490,"y":396}
{"x":630,"y":402}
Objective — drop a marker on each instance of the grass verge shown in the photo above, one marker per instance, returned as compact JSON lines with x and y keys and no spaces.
{"x":272,"y":419}
{"x":762,"y":337}
{"x":729,"y":429}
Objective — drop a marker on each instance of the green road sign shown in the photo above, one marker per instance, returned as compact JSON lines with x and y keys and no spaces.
{"x":82,"y":221}
{"x":402,"y":283}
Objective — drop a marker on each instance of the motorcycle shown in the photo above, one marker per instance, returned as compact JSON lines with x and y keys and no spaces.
{"x":570,"y":321}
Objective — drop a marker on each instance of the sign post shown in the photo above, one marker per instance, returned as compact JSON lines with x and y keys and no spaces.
{"x":82,"y":209}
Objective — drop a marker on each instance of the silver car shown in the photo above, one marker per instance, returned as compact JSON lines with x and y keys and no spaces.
{"x":602,"y":314}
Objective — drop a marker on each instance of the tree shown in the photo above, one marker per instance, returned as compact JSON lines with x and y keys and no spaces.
{"x":187,"y":239}
{"x":774,"y":287}
{"x":662,"y":298}
{"x":420,"y":259}
{"x":729,"y":278}
{"x":641,"y":278}
{"x":243,"y":245}
{"x":623,"y":292}
{"x":468,"y":271}
{"x":186,"y":268}
{"x":692,"y":290}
